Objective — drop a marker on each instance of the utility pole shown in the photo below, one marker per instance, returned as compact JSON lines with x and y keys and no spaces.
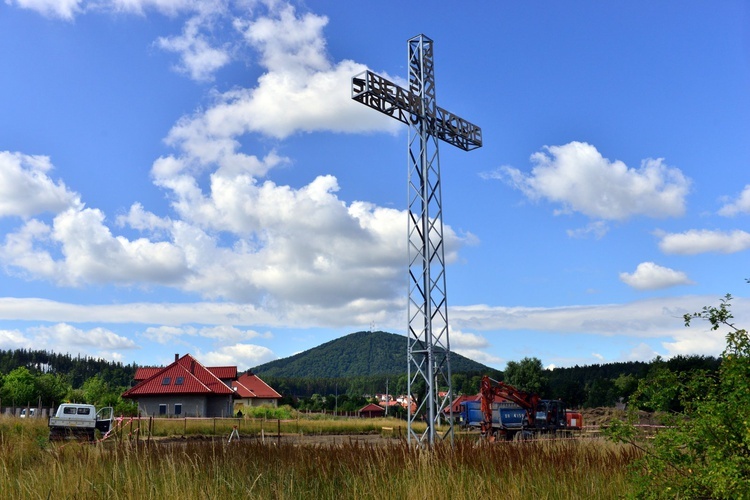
{"x":428,"y":347}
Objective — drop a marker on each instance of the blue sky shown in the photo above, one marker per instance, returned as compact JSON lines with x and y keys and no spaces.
{"x":192,"y":176}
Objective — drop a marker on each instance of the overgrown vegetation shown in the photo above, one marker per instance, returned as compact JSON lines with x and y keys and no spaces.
{"x":33,"y":468}
{"x":705,"y":450}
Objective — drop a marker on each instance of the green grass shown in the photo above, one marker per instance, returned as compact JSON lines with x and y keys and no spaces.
{"x":30,"y":467}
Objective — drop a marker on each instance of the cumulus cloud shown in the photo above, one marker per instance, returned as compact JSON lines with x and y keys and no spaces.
{"x":198,"y":58}
{"x":301,"y":90}
{"x":63,"y":9}
{"x":740,"y":205}
{"x":63,"y":337}
{"x":69,"y":9}
{"x":481,"y":356}
{"x":652,"y":318}
{"x":460,"y":339}
{"x":27,"y":190}
{"x":697,"y":241}
{"x":166,"y":334}
{"x":578,"y":178}
{"x":650,"y":276}
{"x":597,"y":229}
{"x":707,"y":343}
{"x":643,"y":352}
{"x":14,"y":339}
{"x":90,"y":253}
{"x":244,"y":356}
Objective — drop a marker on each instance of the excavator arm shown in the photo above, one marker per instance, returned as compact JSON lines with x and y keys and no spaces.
{"x":525,"y":400}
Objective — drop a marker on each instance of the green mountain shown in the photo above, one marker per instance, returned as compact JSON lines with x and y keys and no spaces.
{"x":360,"y":354}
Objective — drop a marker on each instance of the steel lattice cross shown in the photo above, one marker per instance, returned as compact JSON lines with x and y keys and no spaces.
{"x":428,"y":349}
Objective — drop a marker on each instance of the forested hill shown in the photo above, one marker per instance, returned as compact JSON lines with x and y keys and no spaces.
{"x":361,"y":354}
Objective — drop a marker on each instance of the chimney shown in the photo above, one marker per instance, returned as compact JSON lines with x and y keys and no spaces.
{"x":176,"y":356}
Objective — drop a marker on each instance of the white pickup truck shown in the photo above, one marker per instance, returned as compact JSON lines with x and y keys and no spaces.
{"x":80,"y":420}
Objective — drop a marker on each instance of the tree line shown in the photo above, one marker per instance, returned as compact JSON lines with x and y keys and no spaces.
{"x":29,"y":377}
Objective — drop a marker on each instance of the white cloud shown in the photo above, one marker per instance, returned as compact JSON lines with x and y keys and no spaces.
{"x":696,"y":241}
{"x":597,"y":229}
{"x":481,"y":356}
{"x":63,"y":9}
{"x":460,"y":339}
{"x":142,"y":220}
{"x":166,"y":334}
{"x":63,"y":337}
{"x":244,"y":356}
{"x":70,"y":337}
{"x":741,"y":205}
{"x":90,"y":253}
{"x":651,"y":318}
{"x":696,"y":341}
{"x":577,"y":177}
{"x":14,"y":339}
{"x":197,"y":57}
{"x":68,"y":9}
{"x":644,"y":352}
{"x":650,"y":276}
{"x":302,"y":90}
{"x":26,"y":189}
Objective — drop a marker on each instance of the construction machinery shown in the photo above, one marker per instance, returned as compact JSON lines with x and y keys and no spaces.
{"x":518,"y":414}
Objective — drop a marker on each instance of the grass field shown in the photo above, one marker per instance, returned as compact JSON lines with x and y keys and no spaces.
{"x":31,"y":467}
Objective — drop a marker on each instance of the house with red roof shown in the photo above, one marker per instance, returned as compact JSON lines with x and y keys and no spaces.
{"x":250,"y":390}
{"x":184,"y":388}
{"x":371,"y":411}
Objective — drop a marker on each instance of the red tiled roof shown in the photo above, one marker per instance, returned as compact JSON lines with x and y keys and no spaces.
{"x":251,"y":386}
{"x":372,"y":408}
{"x":224,"y":372}
{"x":184,"y":376}
{"x":145,"y":372}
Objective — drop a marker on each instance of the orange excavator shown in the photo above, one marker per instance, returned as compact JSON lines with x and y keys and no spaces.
{"x":526,"y":413}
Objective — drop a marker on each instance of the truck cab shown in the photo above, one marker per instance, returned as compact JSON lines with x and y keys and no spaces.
{"x":77,"y":419}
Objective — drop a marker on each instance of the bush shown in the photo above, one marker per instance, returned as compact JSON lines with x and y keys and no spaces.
{"x":705,"y":451}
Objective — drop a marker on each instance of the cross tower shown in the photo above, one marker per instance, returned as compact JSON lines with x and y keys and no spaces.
{"x":428,"y":347}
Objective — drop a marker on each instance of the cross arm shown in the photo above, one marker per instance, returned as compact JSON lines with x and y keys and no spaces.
{"x":385,"y":96}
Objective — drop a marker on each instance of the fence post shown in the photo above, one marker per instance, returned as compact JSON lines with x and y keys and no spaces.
{"x":278,"y":424}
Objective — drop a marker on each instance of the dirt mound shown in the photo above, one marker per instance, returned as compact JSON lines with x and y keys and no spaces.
{"x":602,"y":416}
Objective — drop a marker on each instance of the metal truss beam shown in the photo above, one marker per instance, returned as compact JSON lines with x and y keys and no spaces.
{"x":428,"y":346}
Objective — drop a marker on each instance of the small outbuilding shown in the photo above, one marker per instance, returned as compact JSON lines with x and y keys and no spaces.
{"x":250,"y":390}
{"x":371,"y":411}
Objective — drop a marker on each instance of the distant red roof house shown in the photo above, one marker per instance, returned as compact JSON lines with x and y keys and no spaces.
{"x":371,"y":411}
{"x":184,"y":388}
{"x":250,"y":390}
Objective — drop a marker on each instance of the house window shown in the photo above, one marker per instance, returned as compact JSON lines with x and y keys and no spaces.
{"x":162,"y":409}
{"x":166,"y":381}
{"x":178,"y":409}
{"x":179,"y":380}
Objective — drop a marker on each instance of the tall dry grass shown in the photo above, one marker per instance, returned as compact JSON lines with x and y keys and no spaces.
{"x":33,"y":468}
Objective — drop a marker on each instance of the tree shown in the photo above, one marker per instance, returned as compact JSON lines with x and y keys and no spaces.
{"x":52,"y":388}
{"x":95,"y":390}
{"x":705,"y":452}
{"x":527,"y":375}
{"x":19,"y":387}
